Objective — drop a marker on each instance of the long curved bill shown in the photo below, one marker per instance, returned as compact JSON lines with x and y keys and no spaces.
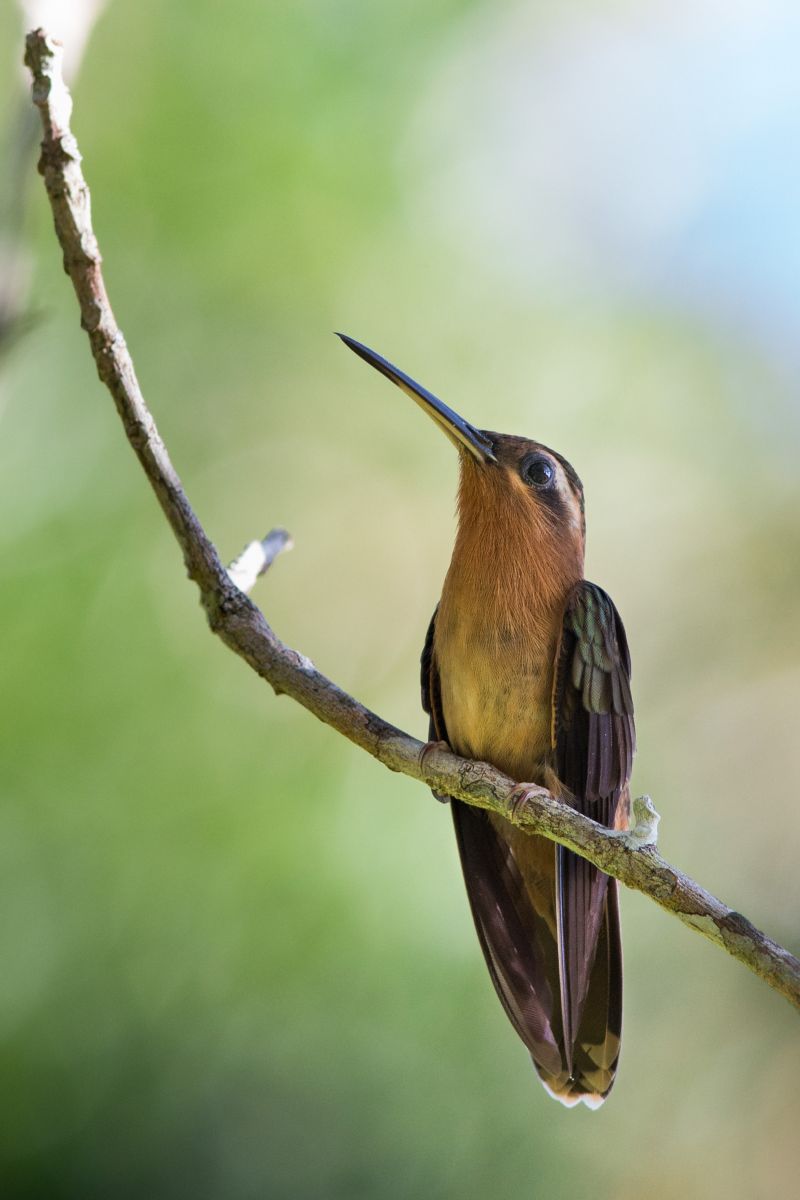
{"x":459,"y":431}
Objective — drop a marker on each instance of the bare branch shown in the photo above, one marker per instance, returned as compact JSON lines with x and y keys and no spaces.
{"x":73,"y":23}
{"x":631,"y":857}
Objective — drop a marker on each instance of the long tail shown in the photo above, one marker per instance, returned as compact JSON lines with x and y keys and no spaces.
{"x":569,"y":1016}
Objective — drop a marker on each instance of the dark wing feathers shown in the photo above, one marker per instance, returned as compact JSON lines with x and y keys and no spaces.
{"x":519,"y":949}
{"x":592,"y":705}
{"x":594,"y":743}
{"x":429,"y":686}
{"x":432,"y":694}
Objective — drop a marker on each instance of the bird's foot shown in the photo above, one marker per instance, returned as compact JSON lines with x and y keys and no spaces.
{"x":423,"y":754}
{"x":644,"y":831}
{"x":518,"y":798}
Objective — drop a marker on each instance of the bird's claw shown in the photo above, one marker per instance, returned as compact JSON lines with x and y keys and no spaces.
{"x":423,"y":754}
{"x":518,"y":798}
{"x":428,"y":747}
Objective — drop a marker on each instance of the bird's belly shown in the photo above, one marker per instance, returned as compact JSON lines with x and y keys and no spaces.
{"x":497,"y":708}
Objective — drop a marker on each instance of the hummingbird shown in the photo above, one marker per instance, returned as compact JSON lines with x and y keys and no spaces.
{"x":526,"y":666}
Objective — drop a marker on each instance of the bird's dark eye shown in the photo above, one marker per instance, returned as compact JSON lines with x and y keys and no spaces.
{"x":538,"y":471}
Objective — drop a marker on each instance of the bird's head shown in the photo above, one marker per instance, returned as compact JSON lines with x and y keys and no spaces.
{"x":506,"y":481}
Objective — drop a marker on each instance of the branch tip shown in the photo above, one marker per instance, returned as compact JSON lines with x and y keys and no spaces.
{"x":257,"y":557}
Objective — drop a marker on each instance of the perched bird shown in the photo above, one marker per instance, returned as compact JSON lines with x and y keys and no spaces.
{"x":526,"y":666}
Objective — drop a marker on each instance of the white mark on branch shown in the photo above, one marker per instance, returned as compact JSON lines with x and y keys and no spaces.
{"x":644,"y":831}
{"x":257,"y":558}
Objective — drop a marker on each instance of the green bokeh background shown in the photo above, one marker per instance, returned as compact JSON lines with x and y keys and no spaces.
{"x":236,"y":955}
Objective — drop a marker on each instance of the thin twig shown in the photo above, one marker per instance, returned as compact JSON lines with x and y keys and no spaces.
{"x":630,"y":857}
{"x":257,"y":558}
{"x":74,"y":22}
